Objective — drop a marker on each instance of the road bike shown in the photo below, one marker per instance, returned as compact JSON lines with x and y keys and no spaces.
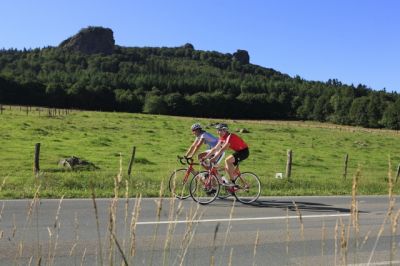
{"x":178,"y":182}
{"x":206,"y":186}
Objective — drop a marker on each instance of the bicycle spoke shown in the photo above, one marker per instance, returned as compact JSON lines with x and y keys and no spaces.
{"x":248,"y":187}
{"x":203,"y":188}
{"x":179,"y":183}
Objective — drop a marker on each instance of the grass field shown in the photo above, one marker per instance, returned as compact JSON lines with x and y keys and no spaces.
{"x":106,"y":139}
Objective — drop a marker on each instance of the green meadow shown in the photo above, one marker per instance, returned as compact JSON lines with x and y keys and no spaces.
{"x":106,"y":139}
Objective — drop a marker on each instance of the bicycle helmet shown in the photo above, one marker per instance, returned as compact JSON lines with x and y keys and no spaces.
{"x":221,"y":126}
{"x":196,"y":126}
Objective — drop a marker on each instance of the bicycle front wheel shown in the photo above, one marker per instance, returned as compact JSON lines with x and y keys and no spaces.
{"x":179,"y":183}
{"x":247,"y":187}
{"x":204,"y":189}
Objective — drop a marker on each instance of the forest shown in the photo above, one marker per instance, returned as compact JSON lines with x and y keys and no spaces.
{"x":183,"y":81}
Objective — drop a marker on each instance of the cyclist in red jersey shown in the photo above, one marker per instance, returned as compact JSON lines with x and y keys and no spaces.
{"x":232,"y":141}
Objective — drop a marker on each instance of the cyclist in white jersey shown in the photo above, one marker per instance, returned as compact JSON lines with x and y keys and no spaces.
{"x":202,"y":137}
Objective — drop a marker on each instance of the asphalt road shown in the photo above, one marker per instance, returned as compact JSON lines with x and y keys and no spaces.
{"x":269,"y":232}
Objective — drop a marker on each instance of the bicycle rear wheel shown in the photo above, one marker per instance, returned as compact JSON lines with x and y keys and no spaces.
{"x":204,"y":189}
{"x":179,"y":183}
{"x":247,"y":187}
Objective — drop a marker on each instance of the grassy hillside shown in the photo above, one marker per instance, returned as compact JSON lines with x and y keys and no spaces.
{"x":107,"y":138}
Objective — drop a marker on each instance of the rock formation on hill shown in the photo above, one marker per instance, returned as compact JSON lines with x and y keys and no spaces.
{"x":242,"y":56}
{"x":91,"y":40}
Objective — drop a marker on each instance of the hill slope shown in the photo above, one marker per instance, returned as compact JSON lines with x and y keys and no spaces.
{"x":181,"y":81}
{"x":99,"y":137}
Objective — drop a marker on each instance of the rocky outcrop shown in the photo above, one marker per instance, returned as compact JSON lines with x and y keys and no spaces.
{"x":74,"y":163}
{"x":242,"y":56}
{"x":91,"y":40}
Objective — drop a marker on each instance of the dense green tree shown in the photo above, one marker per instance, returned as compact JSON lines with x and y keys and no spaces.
{"x":359,"y":111}
{"x":391,"y":116}
{"x":154,"y":104}
{"x":184,"y":81}
{"x":322,"y":109}
{"x":175,"y":104}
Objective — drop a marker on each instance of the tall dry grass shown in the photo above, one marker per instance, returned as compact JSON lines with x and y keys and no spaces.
{"x":112,"y":251}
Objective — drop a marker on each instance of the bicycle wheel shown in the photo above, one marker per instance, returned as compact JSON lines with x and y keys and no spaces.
{"x":204,"y":189}
{"x":223,"y":192}
{"x":179,"y":183}
{"x":247,"y":187}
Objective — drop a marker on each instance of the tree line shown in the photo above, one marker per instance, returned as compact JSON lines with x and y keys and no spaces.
{"x":188,"y":82}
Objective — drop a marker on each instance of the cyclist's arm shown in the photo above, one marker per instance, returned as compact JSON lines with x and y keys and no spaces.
{"x":223,"y":147}
{"x":213,"y":150}
{"x":195,"y":146}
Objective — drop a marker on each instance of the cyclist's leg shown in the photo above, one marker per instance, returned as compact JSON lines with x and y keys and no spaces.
{"x":200,"y":157}
{"x":239,"y":156}
{"x":229,"y":166}
{"x":218,"y":161}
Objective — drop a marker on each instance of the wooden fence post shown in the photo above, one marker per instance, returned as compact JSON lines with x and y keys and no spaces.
{"x":346,"y":161}
{"x":398,"y":172}
{"x":36,"y":160}
{"x":131,"y":161}
{"x":289,"y":164}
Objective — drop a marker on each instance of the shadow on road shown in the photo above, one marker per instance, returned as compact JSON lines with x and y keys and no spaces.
{"x":301,"y":205}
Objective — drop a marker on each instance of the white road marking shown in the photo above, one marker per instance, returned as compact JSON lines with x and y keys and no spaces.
{"x":243,"y":219}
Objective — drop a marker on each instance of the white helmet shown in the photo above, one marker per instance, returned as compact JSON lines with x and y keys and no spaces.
{"x":222,"y":126}
{"x":196,"y":126}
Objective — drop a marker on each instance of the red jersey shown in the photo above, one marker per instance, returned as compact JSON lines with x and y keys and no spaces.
{"x":236,"y":143}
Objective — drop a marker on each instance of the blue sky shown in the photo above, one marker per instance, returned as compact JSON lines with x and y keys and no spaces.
{"x":354,"y":41}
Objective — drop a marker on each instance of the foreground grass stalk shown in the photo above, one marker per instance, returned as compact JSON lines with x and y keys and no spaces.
{"x":185,"y":242}
{"x":159,"y":208}
{"x":394,"y":222}
{"x":288,"y":237}
{"x":57,"y":227}
{"x":343,"y":243}
{"x":173,"y":226}
{"x":214,"y":246}
{"x":134,"y":219}
{"x":20,"y":246}
{"x":255,"y":247}
{"x":323,"y":236}
{"x":119,"y":249}
{"x":83,"y":257}
{"x":1,"y":217}
{"x":355,"y":226}
{"x":112,"y":230}
{"x":126,"y":216}
{"x":389,"y":212}
{"x":189,"y":234}
{"x":301,"y":229}
{"x":3,"y":183}
{"x":76,"y":239}
{"x":169,"y":230}
{"x":228,"y":229}
{"x":50,"y":245}
{"x":336,"y":241}
{"x":230,"y":257}
{"x":113,"y":214}
{"x":365,"y":239}
{"x":97,"y":226}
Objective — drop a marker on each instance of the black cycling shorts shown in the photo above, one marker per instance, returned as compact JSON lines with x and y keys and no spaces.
{"x":240,"y":155}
